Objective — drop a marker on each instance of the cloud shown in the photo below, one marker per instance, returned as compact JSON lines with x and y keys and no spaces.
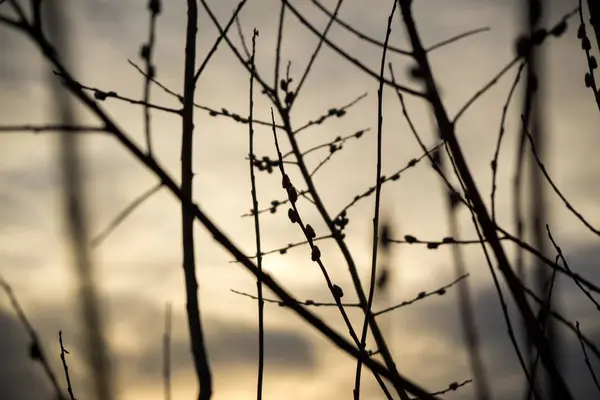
{"x":136,"y":339}
{"x":143,"y":256}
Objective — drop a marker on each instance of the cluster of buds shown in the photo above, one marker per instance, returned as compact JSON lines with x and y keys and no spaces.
{"x":295,"y":218}
{"x":265,"y":164}
{"x":586,"y":45}
{"x":525,"y":43}
{"x":341,"y":221}
{"x":284,"y":84}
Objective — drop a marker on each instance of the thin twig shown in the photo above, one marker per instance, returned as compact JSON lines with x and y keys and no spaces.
{"x":238,"y":26}
{"x":98,"y":239}
{"x":215,"y":46}
{"x":557,"y":316}
{"x":63,"y":351}
{"x":566,"y":202}
{"x":494,"y":163}
{"x":451,"y":388}
{"x":284,"y":250}
{"x":548,"y":262}
{"x":393,"y":177}
{"x":586,"y":358}
{"x":456,"y":38}
{"x":357,"y":33}
{"x":337,"y":112}
{"x":422,"y":295}
{"x":261,"y":303}
{"x":315,"y":53}
{"x":434,"y":244}
{"x":381,"y":345}
{"x":154,"y":6}
{"x":276,"y":83}
{"x":102,"y":95}
{"x":213,"y":112}
{"x":347,"y":56}
{"x":51,"y":129}
{"x":307,"y":303}
{"x":566,"y":265}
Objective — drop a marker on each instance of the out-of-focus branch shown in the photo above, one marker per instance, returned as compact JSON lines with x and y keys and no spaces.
{"x":36,"y":351}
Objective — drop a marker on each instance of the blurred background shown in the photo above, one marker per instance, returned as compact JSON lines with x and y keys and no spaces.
{"x":138,"y":266}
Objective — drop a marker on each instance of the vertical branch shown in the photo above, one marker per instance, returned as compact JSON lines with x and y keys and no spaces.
{"x":261,"y":303}
{"x":543,"y":319}
{"x":64,"y":351}
{"x":278,"y":48}
{"x":154,"y":6}
{"x":167,"y":353}
{"x":75,"y":213}
{"x":465,"y":302}
{"x":199,"y":353}
{"x":533,"y":114}
{"x":373,"y":276}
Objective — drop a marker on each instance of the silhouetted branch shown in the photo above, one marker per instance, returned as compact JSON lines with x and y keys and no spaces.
{"x":566,"y":202}
{"x":261,"y":303}
{"x":308,"y":303}
{"x":447,"y":131}
{"x":557,"y":30}
{"x":357,"y":33}
{"x":393,"y":177}
{"x":213,"y":112}
{"x":146,"y":53}
{"x":347,"y":56}
{"x":451,"y":388}
{"x":63,"y":351}
{"x":456,"y":38}
{"x":51,"y":129}
{"x":332,"y":112}
{"x":314,"y":55}
{"x":586,"y":45}
{"x":102,"y":95}
{"x":587,"y":360}
{"x":422,"y":295}
{"x":215,"y":46}
{"x":566,"y":265}
{"x":380,"y":341}
{"x":199,"y":352}
{"x":494,"y":163}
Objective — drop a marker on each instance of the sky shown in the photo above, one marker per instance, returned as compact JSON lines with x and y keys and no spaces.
{"x":139,"y":265}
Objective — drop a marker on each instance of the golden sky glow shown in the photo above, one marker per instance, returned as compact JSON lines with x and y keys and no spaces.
{"x":139,"y":264}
